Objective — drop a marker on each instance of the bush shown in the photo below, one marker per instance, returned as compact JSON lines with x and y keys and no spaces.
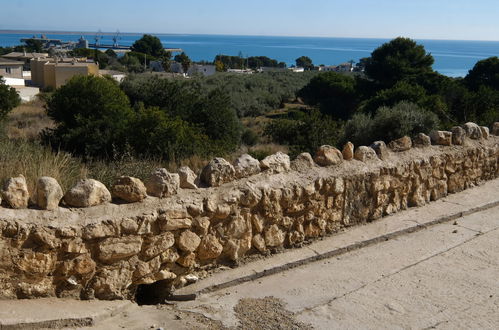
{"x":389,"y":124}
{"x":308,"y":133}
{"x":91,"y":115}
{"x":334,"y":92}
{"x":249,"y":137}
{"x":9,"y":99}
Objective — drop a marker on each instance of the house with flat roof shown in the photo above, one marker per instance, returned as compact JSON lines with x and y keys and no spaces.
{"x":24,"y":57}
{"x":53,"y":73}
{"x":11,"y":68}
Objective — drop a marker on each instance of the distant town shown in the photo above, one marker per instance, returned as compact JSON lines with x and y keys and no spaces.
{"x":44,"y":63}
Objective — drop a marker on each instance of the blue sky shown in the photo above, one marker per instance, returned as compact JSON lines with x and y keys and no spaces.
{"x":420,"y":19}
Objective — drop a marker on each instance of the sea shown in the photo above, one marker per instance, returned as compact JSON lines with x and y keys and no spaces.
{"x":452,"y":57}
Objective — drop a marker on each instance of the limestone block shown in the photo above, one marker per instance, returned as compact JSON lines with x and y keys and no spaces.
{"x":327,"y":156}
{"x":217,"y":172}
{"x":303,"y":161}
{"x":187,"y":178}
{"x":209,"y":248}
{"x":276,"y":163}
{"x":175,"y":224}
{"x":381,"y":150}
{"x":48,"y":193}
{"x":458,"y":135}
{"x":188,"y":260}
{"x":158,"y":245}
{"x":365,"y":154}
{"x":162,"y":184}
{"x":129,"y":189}
{"x":86,"y":193}
{"x":188,"y":241}
{"x":443,"y":138}
{"x":421,"y":140}
{"x":246,"y":166}
{"x":115,"y":249}
{"x":348,"y":151}
{"x":15,"y":192}
{"x":258,"y":243}
{"x":402,"y":144}
{"x":485,"y":132}
{"x":473,"y":131}
{"x":274,"y":236}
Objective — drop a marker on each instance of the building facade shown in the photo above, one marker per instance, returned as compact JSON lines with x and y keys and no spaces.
{"x":53,"y":73}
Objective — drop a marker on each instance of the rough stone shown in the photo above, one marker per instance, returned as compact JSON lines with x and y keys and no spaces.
{"x":187,"y":178}
{"x":274,"y":236}
{"x":381,"y":150}
{"x":485,"y":132}
{"x":473,"y":131}
{"x":86,"y":193}
{"x":327,"y":156}
{"x":458,"y":135}
{"x":365,"y":154}
{"x":421,"y":140}
{"x":246,"y":166}
{"x":48,"y":193}
{"x":129,"y":189}
{"x":158,"y":245}
{"x":402,"y":144}
{"x":348,"y":151}
{"x":175,"y":224}
{"x":162,"y":184}
{"x":15,"y":192}
{"x":209,"y":248}
{"x":442,"y":138}
{"x":495,"y":129}
{"x":303,"y":161}
{"x":259,"y":243}
{"x":188,"y":241}
{"x":115,"y":249}
{"x":218,"y":172}
{"x":276,"y":163}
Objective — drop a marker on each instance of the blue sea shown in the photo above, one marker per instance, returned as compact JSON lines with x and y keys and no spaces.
{"x":452,"y":58}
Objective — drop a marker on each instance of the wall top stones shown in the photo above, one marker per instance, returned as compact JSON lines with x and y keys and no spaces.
{"x":301,"y":175}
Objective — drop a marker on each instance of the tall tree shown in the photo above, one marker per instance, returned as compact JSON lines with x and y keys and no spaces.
{"x":397,"y":60}
{"x":184,"y":60}
{"x":150,"y":45}
{"x":484,"y":73}
{"x":305,"y":62}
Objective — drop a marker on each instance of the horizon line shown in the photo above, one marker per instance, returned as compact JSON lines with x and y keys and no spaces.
{"x":14,"y":31}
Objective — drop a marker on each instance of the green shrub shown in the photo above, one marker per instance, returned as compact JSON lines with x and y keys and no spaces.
{"x":308,"y":133}
{"x":389,"y":124}
{"x":9,"y":99}
{"x":249,"y":137}
{"x":91,"y":115}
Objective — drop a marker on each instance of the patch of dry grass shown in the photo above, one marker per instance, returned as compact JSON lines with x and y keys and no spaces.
{"x":33,"y":161}
{"x":27,"y":121}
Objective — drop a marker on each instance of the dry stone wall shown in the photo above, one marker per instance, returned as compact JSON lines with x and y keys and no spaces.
{"x":109,"y":250}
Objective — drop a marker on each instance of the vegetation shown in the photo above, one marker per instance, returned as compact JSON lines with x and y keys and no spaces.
{"x":305,"y":62}
{"x":9,"y":99}
{"x":150,"y":45}
{"x":224,"y":62}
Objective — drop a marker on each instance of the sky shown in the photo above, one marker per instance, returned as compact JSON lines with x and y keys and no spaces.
{"x":418,"y":19}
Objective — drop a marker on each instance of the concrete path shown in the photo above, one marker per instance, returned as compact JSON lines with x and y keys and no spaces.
{"x":431,"y":267}
{"x":56,"y":313}
{"x":446,"y":276}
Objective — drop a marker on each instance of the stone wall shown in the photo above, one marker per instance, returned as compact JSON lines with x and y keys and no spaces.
{"x":108,"y":251}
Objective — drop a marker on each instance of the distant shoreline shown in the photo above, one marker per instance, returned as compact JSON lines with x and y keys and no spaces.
{"x":213,"y":34}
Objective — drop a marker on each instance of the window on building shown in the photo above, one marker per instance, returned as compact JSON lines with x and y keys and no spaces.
{"x":8,"y":70}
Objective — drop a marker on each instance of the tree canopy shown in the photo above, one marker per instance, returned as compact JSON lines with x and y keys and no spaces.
{"x":484,"y":73}
{"x":396,"y":60}
{"x":305,"y":62}
{"x":91,"y":114}
{"x":150,"y":45}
